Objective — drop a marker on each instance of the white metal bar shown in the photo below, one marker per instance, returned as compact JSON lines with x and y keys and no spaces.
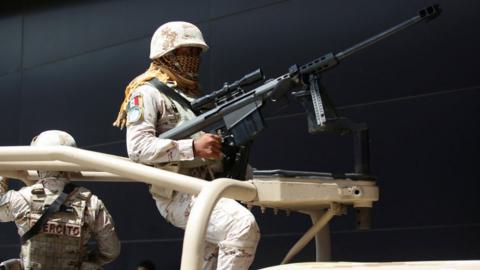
{"x":31,"y":176}
{"x":42,"y":166}
{"x":194,"y":240}
{"x":322,"y":238}
{"x":100,"y":177}
{"x":19,"y":161}
{"x":106,"y":163}
{"x":200,"y":214}
{"x":307,"y":237}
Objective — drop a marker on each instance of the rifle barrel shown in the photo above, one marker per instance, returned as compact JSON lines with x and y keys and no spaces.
{"x":427,"y":13}
{"x":268,"y":89}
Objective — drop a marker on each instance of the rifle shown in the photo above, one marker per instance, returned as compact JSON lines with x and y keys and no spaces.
{"x":235,"y":112}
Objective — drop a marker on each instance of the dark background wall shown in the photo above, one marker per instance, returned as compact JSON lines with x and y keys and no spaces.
{"x":65,"y":65}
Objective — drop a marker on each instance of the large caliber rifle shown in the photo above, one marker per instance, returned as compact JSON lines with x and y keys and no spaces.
{"x":235,"y":113}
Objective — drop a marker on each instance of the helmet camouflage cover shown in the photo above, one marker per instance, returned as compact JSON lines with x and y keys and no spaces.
{"x":173,"y":35}
{"x":53,"y":138}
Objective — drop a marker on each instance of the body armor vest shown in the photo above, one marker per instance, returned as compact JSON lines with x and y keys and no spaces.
{"x":177,"y":115}
{"x":60,"y":243}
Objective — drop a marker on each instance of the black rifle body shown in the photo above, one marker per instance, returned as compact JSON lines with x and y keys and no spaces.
{"x":234,"y":111}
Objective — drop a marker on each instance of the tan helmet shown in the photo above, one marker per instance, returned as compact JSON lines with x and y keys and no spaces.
{"x":53,"y":138}
{"x":173,"y":35}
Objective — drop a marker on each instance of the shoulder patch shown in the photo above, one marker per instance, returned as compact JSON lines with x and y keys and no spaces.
{"x":135,"y":108}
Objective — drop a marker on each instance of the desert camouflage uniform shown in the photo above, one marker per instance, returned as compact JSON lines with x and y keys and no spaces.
{"x":62,"y":242}
{"x":232,"y":233}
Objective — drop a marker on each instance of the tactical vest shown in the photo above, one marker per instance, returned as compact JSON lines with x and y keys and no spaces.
{"x":179,"y":116}
{"x":60,"y":243}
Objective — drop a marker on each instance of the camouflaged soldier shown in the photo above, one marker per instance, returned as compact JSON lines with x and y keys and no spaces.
{"x":147,"y":111}
{"x":61,"y":242}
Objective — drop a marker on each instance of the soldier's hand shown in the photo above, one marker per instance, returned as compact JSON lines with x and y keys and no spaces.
{"x":208,"y":146}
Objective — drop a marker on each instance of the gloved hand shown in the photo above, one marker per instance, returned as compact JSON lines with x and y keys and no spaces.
{"x":3,"y":184}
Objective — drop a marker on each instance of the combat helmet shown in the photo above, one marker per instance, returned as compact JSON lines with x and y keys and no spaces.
{"x":173,"y":35}
{"x":53,"y":138}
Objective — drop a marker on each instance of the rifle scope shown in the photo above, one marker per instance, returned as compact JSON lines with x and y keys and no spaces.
{"x":246,"y":80}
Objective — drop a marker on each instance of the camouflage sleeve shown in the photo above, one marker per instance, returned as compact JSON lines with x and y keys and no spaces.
{"x":14,"y":206}
{"x":103,"y":230}
{"x":143,"y":146}
{"x":5,"y":213}
{"x":3,"y":185}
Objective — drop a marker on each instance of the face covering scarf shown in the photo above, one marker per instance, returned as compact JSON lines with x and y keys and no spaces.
{"x":183,"y":69}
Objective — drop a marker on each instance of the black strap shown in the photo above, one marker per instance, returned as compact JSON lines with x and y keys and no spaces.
{"x":52,"y":209}
{"x":169,"y":92}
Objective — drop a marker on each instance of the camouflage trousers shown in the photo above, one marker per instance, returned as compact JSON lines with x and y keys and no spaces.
{"x":232,"y":232}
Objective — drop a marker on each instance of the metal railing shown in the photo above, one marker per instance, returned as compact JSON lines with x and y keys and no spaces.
{"x":16,"y":161}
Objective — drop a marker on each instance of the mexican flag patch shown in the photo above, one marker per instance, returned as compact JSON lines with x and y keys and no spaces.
{"x":135,"y":109}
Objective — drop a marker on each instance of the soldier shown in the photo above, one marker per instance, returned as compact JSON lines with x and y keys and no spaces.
{"x":157,"y":101}
{"x":59,"y":241}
